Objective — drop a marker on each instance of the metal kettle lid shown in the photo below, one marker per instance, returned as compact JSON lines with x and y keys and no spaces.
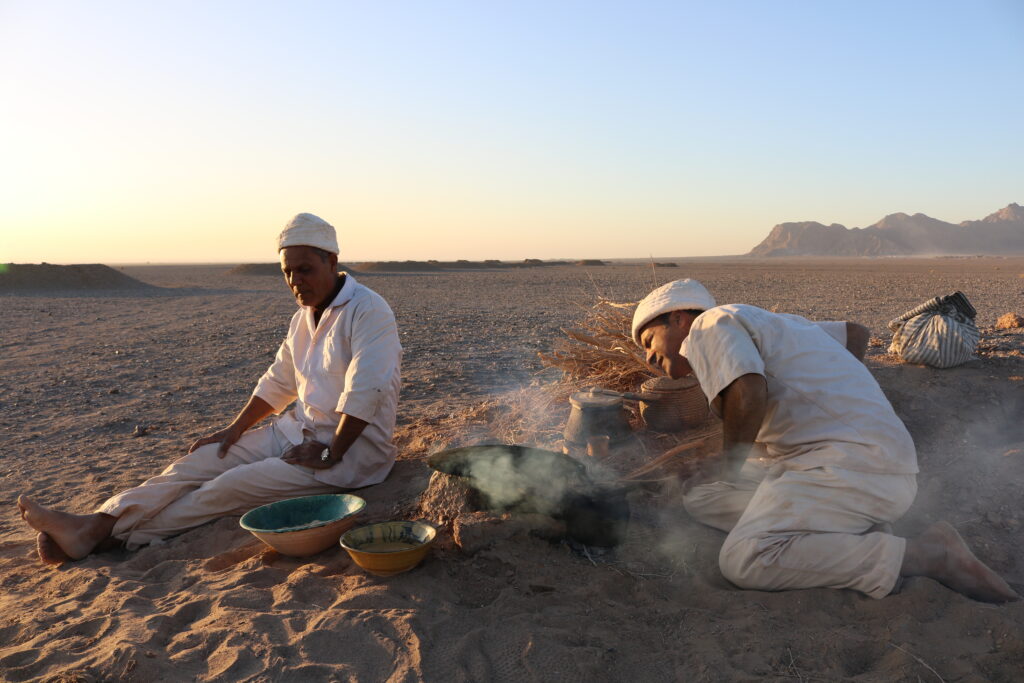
{"x":594,"y":399}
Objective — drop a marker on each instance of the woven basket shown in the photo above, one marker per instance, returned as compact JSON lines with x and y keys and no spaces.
{"x":680,"y":404}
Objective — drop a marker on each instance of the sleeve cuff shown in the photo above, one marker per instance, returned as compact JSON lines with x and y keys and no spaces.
{"x":277,"y":398}
{"x":362,"y":404}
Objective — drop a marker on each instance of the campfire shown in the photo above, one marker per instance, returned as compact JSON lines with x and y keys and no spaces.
{"x":542,"y":421}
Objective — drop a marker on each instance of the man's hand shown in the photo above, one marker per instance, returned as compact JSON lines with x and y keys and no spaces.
{"x":309,"y":455}
{"x":710,"y":470}
{"x":226,"y":437}
{"x":255,"y":410}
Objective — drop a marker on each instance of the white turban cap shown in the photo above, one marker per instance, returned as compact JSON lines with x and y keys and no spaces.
{"x":307,"y":230}
{"x":679,"y":295}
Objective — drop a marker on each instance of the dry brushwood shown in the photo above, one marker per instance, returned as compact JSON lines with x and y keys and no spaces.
{"x":601,"y":352}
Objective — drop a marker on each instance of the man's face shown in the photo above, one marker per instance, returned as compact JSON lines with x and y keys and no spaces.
{"x":310,"y":277}
{"x":661,"y":341}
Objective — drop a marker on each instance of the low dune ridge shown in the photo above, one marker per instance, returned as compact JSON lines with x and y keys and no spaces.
{"x":442,"y":266}
{"x":398,"y":267}
{"x":48,"y":277}
{"x":270,"y":269}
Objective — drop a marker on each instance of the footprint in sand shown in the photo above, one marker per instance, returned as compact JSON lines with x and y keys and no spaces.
{"x":229,"y":559}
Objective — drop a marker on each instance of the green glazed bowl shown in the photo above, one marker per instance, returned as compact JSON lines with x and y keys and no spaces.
{"x":388,"y":548}
{"x":304,"y":526}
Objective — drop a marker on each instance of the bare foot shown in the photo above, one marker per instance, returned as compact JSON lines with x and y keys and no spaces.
{"x":50,"y":552}
{"x":939,"y":553}
{"x":75,"y":535}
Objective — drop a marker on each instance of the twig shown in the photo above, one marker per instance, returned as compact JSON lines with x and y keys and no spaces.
{"x":793,"y":669}
{"x":665,"y":458}
{"x":919,"y":661}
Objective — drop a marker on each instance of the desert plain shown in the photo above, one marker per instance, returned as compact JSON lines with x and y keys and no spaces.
{"x":100,"y":389}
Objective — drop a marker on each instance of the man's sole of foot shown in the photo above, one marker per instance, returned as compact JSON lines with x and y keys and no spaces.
{"x":49,"y":551}
{"x":75,"y":535}
{"x":962,"y":571}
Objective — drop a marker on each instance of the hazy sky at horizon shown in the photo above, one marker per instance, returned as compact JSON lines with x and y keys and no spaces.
{"x":192,"y":131}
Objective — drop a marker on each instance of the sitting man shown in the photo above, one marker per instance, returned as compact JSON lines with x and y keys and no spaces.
{"x":339,"y":363}
{"x":840,"y":468}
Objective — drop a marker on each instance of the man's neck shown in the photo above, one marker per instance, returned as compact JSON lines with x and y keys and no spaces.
{"x":319,"y":309}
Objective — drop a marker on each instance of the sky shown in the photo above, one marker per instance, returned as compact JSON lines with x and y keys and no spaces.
{"x":192,"y":131}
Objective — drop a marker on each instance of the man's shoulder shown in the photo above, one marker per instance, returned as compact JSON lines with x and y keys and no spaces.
{"x":728,"y":313}
{"x":363,"y":303}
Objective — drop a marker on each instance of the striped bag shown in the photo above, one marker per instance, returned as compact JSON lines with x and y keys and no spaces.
{"x":940,"y":332}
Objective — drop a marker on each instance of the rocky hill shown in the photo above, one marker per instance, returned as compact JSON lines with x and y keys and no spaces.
{"x":900,"y":234}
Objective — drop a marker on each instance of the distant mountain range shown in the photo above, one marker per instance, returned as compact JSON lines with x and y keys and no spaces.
{"x":900,"y":235}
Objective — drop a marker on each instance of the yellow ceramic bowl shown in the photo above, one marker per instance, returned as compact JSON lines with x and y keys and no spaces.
{"x":304,"y":526}
{"x":388,"y":548}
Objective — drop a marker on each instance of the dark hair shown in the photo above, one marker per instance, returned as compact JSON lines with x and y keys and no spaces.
{"x":324,"y":255}
{"x":664,"y":317}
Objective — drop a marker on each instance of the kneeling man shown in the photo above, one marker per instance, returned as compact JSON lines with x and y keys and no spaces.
{"x":339,"y":364}
{"x":839,"y":465}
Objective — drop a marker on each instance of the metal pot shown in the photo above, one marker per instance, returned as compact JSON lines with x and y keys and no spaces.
{"x":597,"y":413}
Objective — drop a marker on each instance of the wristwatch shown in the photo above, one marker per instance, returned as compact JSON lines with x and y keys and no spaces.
{"x":325,"y":454}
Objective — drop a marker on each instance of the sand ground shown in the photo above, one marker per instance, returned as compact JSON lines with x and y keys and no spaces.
{"x":81,"y":371}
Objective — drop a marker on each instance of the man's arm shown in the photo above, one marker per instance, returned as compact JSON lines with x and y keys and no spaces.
{"x":310,"y":454}
{"x":254,"y":411}
{"x":743,"y":405}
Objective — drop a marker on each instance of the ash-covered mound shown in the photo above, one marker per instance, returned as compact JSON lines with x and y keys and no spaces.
{"x":45,"y":276}
{"x":270,"y":269}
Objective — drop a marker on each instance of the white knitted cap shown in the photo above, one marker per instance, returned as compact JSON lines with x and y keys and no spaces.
{"x":679,"y":295}
{"x":307,"y":230}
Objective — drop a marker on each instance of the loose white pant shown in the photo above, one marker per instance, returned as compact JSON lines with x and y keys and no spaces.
{"x":792,"y":528}
{"x":201,"y":487}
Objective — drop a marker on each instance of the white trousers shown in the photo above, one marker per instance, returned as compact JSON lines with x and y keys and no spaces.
{"x":791,"y":528}
{"x":201,"y":487}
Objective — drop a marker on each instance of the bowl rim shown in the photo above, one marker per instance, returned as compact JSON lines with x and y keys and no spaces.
{"x":360,"y":506}
{"x":425,"y":544}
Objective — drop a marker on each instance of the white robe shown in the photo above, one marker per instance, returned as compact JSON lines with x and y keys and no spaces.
{"x":838,"y":459}
{"x":349,"y":363}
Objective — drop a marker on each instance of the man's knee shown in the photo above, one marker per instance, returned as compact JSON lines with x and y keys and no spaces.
{"x":200,"y":456}
{"x":698,"y":499}
{"x":242,"y":483}
{"x":751,"y":562}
